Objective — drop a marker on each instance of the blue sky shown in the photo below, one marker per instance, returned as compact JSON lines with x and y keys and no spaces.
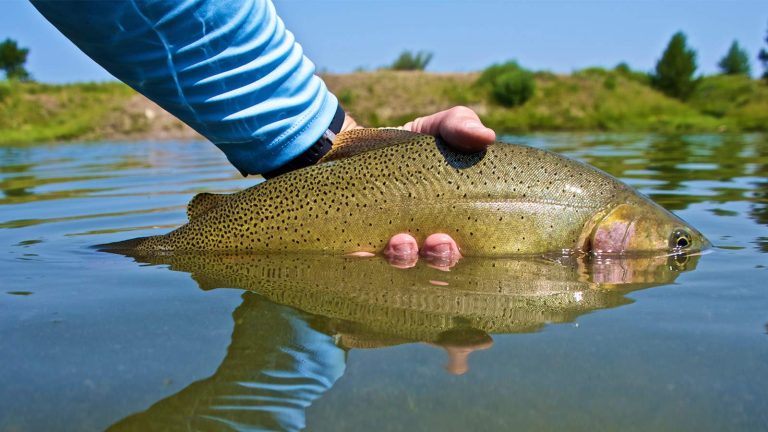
{"x":560,"y":36}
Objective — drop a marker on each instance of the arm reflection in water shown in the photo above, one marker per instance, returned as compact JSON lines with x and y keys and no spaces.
{"x":276,"y":366}
{"x":282,"y":359}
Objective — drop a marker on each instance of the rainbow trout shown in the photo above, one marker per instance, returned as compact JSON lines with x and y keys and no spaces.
{"x":507,"y":200}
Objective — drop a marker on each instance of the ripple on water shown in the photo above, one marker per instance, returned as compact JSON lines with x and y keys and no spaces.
{"x":92,"y":339}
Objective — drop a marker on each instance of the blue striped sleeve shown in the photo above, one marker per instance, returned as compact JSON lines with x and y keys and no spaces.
{"x":227,"y":68}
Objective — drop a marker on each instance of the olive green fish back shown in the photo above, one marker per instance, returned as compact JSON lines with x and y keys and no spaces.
{"x":507,"y":200}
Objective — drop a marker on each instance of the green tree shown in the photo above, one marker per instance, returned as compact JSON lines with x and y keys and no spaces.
{"x":412,"y":61}
{"x":674,"y":71}
{"x":12,"y":59}
{"x":763,"y":57}
{"x":736,"y":62}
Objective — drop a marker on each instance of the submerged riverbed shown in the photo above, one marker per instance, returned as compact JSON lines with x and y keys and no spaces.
{"x":91,"y":340}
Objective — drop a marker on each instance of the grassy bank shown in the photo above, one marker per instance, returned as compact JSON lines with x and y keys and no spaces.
{"x":592,"y":99}
{"x":34,"y":112}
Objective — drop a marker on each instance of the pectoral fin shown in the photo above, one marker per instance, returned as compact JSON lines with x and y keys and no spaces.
{"x":356,"y":141}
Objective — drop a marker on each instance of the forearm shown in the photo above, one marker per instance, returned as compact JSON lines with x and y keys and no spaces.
{"x":228,"y":68}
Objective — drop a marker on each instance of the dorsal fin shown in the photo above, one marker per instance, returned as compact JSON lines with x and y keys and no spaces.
{"x":361,"y":340}
{"x":358,"y":141}
{"x":202,"y":203}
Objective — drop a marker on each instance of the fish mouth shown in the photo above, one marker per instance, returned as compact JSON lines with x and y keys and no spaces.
{"x":706,"y":250}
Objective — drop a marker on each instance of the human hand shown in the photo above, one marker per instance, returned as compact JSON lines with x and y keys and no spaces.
{"x":460,"y":128}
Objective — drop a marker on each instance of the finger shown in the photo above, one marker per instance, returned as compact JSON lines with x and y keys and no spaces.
{"x":361,"y":254}
{"x":458,"y":357}
{"x":349,"y":124}
{"x":402,"y":251}
{"x":441,"y":251}
{"x":460,"y":127}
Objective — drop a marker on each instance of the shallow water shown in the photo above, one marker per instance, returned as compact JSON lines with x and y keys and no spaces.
{"x":91,"y":340}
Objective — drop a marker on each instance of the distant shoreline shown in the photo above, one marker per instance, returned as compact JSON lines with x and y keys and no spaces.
{"x":589,"y":100}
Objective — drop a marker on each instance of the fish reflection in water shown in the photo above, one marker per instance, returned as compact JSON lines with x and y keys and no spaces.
{"x":301,"y":314}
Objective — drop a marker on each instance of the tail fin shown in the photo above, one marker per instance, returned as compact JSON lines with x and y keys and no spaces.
{"x":122,"y":246}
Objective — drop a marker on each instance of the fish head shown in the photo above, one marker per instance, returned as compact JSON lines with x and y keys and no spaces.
{"x":640,"y":227}
{"x":630,"y":272}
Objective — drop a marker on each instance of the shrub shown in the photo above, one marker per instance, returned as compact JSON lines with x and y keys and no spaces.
{"x":624,"y":70}
{"x":412,"y":61}
{"x":492,"y":72}
{"x":592,"y":71}
{"x":507,"y":83}
{"x":513,"y":88}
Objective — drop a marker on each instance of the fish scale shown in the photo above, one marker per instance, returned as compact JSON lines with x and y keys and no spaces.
{"x":507,"y":200}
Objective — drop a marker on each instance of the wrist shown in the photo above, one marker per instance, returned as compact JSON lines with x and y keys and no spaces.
{"x":317,"y":150}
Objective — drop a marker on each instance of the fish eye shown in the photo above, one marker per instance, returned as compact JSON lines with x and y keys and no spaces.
{"x":680,"y":239}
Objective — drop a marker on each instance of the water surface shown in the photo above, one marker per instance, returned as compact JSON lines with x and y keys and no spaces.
{"x":92,"y":340}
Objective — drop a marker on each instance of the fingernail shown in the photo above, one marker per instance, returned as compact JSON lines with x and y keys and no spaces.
{"x":404,"y":249}
{"x":441,"y":250}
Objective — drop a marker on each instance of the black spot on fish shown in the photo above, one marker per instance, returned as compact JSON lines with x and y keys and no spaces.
{"x":460,"y":160}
